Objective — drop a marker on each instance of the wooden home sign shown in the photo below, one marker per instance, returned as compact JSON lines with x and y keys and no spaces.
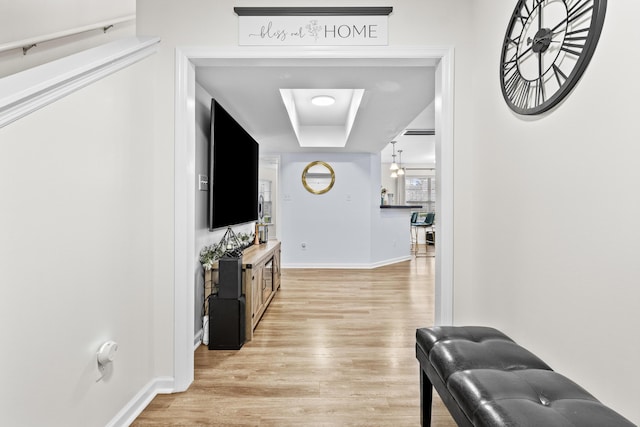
{"x":313,"y":26}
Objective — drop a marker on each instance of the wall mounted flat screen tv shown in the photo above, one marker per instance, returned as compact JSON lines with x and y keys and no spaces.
{"x":233,"y":171}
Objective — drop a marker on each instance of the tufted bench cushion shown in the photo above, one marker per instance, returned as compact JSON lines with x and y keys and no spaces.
{"x":486,"y":379}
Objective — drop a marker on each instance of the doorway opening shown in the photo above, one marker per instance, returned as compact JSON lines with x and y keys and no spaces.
{"x":187,"y":59}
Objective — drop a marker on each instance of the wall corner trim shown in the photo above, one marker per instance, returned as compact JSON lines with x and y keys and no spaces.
{"x":27,"y":91}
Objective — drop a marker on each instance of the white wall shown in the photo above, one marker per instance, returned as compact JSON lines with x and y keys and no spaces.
{"x":337,"y":226}
{"x":555,"y":214}
{"x":76,"y":253}
{"x":390,"y":228}
{"x":531,"y":257}
{"x":37,"y":17}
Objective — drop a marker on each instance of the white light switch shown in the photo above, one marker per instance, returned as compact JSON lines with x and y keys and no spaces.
{"x":203,"y":182}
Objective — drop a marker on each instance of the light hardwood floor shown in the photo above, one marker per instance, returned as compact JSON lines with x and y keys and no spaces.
{"x":335,"y":348}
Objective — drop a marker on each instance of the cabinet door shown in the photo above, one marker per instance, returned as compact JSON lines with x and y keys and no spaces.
{"x":267,"y":280}
{"x":256,"y":291}
{"x":276,"y":270}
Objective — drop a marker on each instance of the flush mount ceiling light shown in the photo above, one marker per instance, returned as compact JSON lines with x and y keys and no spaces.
{"x":328,"y":126}
{"x":323,"y":100}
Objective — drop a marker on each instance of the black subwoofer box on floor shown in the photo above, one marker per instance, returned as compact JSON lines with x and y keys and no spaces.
{"x":226,"y":323}
{"x":230,"y":277}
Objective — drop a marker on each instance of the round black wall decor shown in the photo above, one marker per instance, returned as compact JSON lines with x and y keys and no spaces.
{"x":546,"y":49}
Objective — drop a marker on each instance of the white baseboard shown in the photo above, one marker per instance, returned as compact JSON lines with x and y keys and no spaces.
{"x":390,"y":261}
{"x":197,"y":340}
{"x":350,"y":266}
{"x":128,"y":414}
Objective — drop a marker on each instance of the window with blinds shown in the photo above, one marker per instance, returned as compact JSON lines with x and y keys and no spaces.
{"x":421,"y":190}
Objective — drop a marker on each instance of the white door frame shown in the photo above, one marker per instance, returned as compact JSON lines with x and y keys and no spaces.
{"x":185,"y":179}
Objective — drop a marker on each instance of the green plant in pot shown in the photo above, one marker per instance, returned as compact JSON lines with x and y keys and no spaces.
{"x":210,"y":254}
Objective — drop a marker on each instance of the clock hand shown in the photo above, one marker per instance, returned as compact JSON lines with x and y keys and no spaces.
{"x":533,"y":40}
{"x":538,"y":40}
{"x":524,"y":53}
{"x":540,"y":65}
{"x":559,"y":24}
{"x":539,"y":18}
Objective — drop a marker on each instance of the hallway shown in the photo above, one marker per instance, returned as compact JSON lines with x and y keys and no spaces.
{"x":335,"y":348}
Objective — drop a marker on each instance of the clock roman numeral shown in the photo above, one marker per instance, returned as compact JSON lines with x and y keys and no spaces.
{"x":574,"y":35}
{"x":575,"y":12}
{"x":514,"y":41}
{"x":570,"y":48}
{"x":574,"y":43}
{"x":523,"y":19}
{"x":518,"y":90}
{"x":530,"y":9}
{"x":510,"y":85}
{"x":537,"y":3}
{"x":510,"y":64}
{"x":579,"y":10}
{"x":560,"y":76}
{"x":524,"y":14}
{"x":540,"y":94}
{"x":523,"y":94}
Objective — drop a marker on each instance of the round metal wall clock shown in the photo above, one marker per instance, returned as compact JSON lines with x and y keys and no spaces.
{"x":546,"y":49}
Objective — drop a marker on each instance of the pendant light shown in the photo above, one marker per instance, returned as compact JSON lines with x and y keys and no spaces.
{"x":394,"y":166}
{"x":400,"y":168}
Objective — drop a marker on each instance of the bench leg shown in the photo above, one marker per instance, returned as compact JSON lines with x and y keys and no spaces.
{"x":426,"y":398}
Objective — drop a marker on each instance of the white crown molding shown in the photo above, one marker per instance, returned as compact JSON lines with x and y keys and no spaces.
{"x":27,"y":91}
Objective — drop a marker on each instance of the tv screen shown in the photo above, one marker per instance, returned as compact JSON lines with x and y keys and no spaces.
{"x":233,"y":163}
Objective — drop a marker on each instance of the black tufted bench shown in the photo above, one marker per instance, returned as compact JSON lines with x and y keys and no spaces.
{"x":486,"y":379}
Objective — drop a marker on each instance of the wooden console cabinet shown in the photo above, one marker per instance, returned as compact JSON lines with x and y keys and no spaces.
{"x":260,"y":281}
